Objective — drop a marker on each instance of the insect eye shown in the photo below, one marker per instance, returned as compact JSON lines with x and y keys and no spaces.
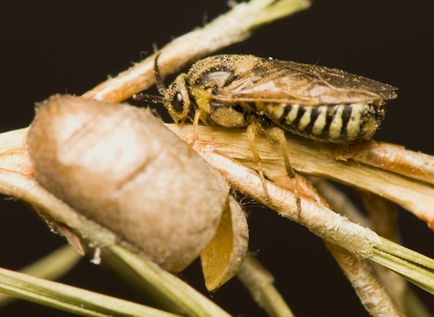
{"x":178,"y":102}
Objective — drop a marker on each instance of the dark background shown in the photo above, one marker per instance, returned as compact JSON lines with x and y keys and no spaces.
{"x":52,"y":47}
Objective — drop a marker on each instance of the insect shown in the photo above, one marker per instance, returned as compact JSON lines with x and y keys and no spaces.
{"x":319,"y":103}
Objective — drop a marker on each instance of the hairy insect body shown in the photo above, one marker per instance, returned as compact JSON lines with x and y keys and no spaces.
{"x":315,"y":102}
{"x":331,"y":123}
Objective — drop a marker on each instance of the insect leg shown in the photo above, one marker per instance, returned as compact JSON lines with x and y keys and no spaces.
{"x":252,"y":130}
{"x":278,"y":135}
{"x":196,"y":119}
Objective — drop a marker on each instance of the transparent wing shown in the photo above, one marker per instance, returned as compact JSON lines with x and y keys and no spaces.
{"x":267,"y":80}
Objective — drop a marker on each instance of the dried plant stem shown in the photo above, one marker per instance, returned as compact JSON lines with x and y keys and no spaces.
{"x":169,"y":290}
{"x":314,"y":158}
{"x":71,"y":299}
{"x":320,"y":220}
{"x":418,"y":270}
{"x":383,"y":216}
{"x":377,"y":299}
{"x":371,"y":292}
{"x":395,"y":158}
{"x":339,"y":201}
{"x":259,"y":282}
{"x":234,"y":26}
{"x":374,"y":297}
{"x":408,"y":300}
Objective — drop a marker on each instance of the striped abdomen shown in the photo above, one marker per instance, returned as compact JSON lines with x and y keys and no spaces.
{"x":330,"y":123}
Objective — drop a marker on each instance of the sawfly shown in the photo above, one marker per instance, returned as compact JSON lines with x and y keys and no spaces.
{"x":316,"y":102}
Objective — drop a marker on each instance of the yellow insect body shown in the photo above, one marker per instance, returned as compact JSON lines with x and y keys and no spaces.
{"x":316,"y":102}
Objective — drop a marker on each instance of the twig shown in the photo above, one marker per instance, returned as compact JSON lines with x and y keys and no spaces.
{"x":314,"y":158}
{"x":71,"y":299}
{"x":395,"y":158}
{"x":320,"y":220}
{"x":374,"y":297}
{"x":259,"y":282}
{"x":339,"y":201}
{"x":412,"y":305}
{"x":383,"y":216}
{"x":372,"y":294}
{"x":234,"y":26}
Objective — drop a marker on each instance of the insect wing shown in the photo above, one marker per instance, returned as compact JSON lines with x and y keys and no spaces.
{"x":294,"y":83}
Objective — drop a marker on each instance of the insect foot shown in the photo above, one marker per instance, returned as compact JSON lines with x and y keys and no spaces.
{"x":277,"y":135}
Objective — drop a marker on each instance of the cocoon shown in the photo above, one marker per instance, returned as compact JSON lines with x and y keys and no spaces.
{"x":121,"y":167}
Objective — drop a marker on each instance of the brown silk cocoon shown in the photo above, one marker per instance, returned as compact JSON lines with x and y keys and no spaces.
{"x":121,"y":167}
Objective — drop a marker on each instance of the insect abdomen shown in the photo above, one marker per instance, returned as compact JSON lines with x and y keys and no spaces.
{"x":330,"y":123}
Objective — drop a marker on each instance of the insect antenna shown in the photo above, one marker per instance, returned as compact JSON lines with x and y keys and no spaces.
{"x":149,"y":98}
{"x":158,"y":79}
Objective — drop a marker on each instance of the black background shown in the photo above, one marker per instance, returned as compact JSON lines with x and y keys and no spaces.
{"x":52,"y":47}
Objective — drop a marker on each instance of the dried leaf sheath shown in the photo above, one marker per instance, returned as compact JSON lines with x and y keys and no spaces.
{"x":314,"y":158}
